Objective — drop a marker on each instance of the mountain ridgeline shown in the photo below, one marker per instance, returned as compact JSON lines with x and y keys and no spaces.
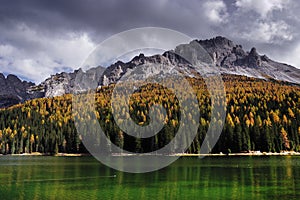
{"x":229,"y":57}
{"x":261,"y":115}
{"x":262,"y":96}
{"x":14,"y":91}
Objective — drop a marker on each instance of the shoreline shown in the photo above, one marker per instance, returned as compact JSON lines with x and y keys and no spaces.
{"x":286,"y":153}
{"x":49,"y":154}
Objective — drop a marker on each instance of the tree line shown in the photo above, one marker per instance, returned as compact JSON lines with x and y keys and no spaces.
{"x":261,"y":116}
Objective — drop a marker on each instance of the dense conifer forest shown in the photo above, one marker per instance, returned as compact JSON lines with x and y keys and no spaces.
{"x":261,"y":115}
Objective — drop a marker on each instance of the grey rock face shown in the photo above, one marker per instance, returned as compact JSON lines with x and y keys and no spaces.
{"x":224,"y":54}
{"x":232,"y":59}
{"x":228,"y":57}
{"x":64,"y":83}
{"x":114,"y":72}
{"x":13,"y":90}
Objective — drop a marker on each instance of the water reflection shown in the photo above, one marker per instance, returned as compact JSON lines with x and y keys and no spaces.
{"x":187,"y":178}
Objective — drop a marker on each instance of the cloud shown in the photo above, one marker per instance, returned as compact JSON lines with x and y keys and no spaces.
{"x":264,"y":20}
{"x":269,"y":32}
{"x":291,"y":57}
{"x":261,"y":7}
{"x":40,"y":38}
{"x":216,"y":11}
{"x":45,"y":37}
{"x":37,"y":56}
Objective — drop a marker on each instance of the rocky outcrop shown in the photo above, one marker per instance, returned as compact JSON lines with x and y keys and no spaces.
{"x":229,"y":57}
{"x":114,"y":72}
{"x":64,"y":83}
{"x":225,"y":54}
{"x":13,"y":90}
{"x":232,"y":59}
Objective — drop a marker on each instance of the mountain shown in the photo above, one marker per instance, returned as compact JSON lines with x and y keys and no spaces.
{"x":261,"y":116}
{"x":229,"y":57}
{"x":63,"y":83}
{"x":232,"y":59}
{"x":14,"y":91}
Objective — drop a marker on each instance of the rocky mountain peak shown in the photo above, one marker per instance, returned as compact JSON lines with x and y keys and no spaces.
{"x":217,"y":42}
{"x":2,"y":82}
{"x":223,"y":51}
{"x":13,"y":90}
{"x":174,"y":58}
{"x":140,"y":56}
{"x":2,"y":77}
{"x":253,"y":52}
{"x":253,"y":59}
{"x":228,"y":56}
{"x":140,"y":59}
{"x":13,"y":79}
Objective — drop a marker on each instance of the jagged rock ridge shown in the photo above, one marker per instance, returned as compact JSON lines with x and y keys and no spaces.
{"x":229,"y":57}
{"x":232,"y":59}
{"x":14,"y":91}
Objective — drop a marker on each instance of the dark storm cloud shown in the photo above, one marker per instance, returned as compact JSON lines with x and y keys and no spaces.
{"x":104,"y":17}
{"x":39,"y":34}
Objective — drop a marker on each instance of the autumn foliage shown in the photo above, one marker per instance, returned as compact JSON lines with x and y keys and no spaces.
{"x":261,"y":115}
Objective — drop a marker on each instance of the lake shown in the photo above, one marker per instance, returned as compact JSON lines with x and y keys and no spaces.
{"x":46,"y":177}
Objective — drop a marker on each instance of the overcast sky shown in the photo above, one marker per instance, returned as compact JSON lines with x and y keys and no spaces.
{"x":39,"y":38}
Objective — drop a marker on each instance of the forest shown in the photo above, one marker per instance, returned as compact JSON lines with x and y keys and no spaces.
{"x":261,"y":115}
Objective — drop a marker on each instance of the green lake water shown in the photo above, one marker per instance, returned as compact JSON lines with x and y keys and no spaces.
{"x":38,"y":177}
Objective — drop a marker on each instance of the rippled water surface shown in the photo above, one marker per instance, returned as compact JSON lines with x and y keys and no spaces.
{"x":39,"y":177}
